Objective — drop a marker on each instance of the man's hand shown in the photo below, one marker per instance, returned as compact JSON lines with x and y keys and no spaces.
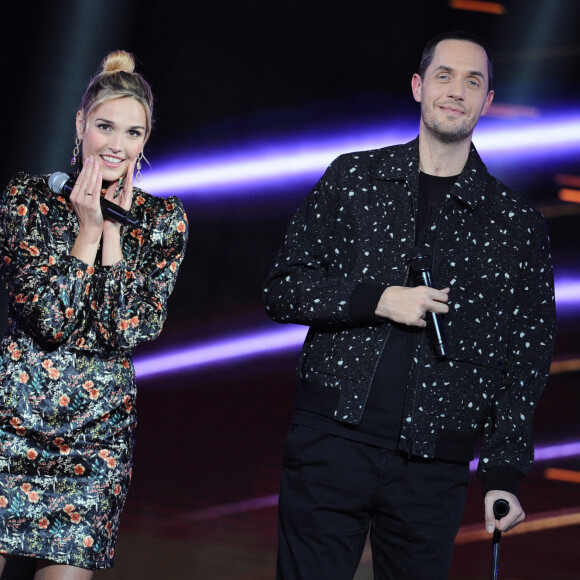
{"x":514,"y":516}
{"x":410,"y":305}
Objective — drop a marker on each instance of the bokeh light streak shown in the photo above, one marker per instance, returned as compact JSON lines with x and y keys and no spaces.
{"x":220,"y":351}
{"x":306,"y":156}
{"x":285,"y":337}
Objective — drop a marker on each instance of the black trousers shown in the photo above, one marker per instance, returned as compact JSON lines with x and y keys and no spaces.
{"x":333,"y":489}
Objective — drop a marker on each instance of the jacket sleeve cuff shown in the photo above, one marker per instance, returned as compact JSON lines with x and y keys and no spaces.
{"x":363,"y":303}
{"x":502,"y":478}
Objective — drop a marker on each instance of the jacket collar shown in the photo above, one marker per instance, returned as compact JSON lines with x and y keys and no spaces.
{"x":401,"y":163}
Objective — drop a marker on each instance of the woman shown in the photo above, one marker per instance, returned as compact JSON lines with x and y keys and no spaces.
{"x":83,"y":291}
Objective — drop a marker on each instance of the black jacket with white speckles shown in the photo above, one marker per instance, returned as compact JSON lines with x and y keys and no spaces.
{"x":349,"y":241}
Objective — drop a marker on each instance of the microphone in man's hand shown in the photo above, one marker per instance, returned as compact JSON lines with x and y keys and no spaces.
{"x":61,"y":184}
{"x":419,"y":263}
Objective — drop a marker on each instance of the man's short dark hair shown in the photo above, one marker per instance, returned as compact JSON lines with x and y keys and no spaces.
{"x":429,"y":51}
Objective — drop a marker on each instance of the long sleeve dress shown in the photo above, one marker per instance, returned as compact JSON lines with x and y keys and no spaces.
{"x":67,"y":382}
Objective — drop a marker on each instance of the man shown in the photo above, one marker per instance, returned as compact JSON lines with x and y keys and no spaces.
{"x":385,"y":424}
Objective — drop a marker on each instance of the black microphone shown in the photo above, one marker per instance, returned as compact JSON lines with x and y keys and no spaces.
{"x":61,"y":184}
{"x":419,"y":263}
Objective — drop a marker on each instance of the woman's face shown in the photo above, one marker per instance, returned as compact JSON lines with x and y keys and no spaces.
{"x":114,"y":134}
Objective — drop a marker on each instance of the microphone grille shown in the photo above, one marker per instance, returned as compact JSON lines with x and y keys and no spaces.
{"x":56,"y":181}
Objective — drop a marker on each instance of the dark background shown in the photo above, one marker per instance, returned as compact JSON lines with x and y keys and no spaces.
{"x":227,"y":75}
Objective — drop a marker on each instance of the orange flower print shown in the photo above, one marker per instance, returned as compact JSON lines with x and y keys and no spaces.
{"x":69,"y":508}
{"x":94,"y":394}
{"x":105,"y":416}
{"x":64,"y":449}
{"x":13,"y":191}
{"x":22,"y":210}
{"x":3,"y":501}
{"x":109,"y":528}
{"x":59,"y":335}
{"x":181,"y":226}
{"x":90,"y":270}
{"x":51,"y":260}
{"x":43,"y":209}
{"x":140,"y":200}
{"x":124,"y":324}
{"x":134,"y":321}
{"x":79,"y":469}
{"x":170,"y":206}
{"x":104,"y":453}
{"x":64,"y":400}
{"x":7,"y":260}
{"x":12,"y":347}
{"x":111,"y":462}
{"x":88,"y":385}
{"x":44,"y":268}
{"x":173,"y":267}
{"x":15,"y":355}
{"x":53,"y":373}
{"x":46,"y":363}
{"x":161,"y":264}
{"x":20,"y":299}
{"x":35,"y":298}
{"x":128,"y":403}
{"x":94,"y":304}
{"x":20,"y":431}
{"x":69,"y":312}
{"x":32,"y":454}
{"x":34,"y":251}
{"x":117,"y":489}
{"x":88,"y":541}
{"x":43,"y":523}
{"x":26,"y":487}
{"x":125,"y":363}
{"x":58,"y":441}
{"x":33,"y":497}
{"x":80,"y":342}
{"x":15,"y":421}
{"x":75,"y":518}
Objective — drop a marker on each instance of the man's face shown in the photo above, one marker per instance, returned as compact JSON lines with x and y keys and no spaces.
{"x":454,"y":91}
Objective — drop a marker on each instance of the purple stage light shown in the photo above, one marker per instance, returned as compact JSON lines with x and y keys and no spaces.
{"x":287,"y":337}
{"x":567,"y":292}
{"x":262,"y":164}
{"x":220,"y":351}
{"x":304,"y":156}
{"x":547,"y":453}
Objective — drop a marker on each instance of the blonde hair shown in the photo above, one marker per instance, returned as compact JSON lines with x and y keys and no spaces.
{"x":116,"y":80}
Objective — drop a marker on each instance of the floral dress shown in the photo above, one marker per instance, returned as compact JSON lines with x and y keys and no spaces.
{"x":67,"y":383}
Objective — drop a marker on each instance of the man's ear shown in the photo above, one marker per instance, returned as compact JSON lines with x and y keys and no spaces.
{"x":487,"y":103}
{"x":417,"y":86}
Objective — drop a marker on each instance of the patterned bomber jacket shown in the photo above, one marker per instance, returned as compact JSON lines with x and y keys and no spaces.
{"x":349,"y":241}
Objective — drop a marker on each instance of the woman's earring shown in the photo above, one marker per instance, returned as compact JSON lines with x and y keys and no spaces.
{"x":76,"y":151}
{"x":138,"y":166}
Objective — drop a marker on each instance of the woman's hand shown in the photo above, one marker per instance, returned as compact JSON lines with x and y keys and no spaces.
{"x":86,"y":201}
{"x":124,"y":199}
{"x":112,"y":251}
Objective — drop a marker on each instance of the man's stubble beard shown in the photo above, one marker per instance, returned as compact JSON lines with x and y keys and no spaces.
{"x":449,"y":135}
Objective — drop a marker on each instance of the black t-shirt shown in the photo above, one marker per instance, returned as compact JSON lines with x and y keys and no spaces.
{"x":381,"y":421}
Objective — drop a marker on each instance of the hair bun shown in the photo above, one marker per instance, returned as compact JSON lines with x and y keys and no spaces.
{"x":118,"y":61}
